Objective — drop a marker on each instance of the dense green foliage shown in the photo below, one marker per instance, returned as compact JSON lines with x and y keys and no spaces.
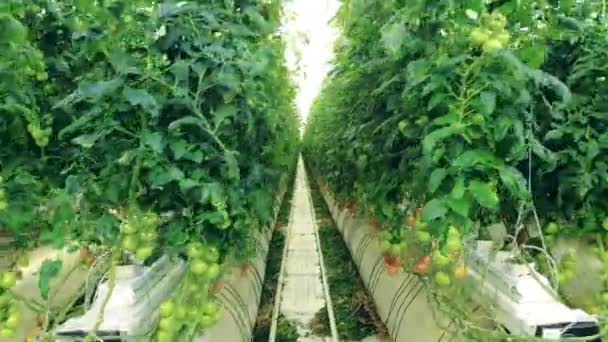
{"x":143,"y":126}
{"x":442,"y":118}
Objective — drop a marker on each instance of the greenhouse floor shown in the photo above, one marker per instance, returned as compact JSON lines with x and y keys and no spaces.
{"x":303,"y":289}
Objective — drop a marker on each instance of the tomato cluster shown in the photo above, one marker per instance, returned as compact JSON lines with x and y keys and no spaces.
{"x":10,"y":314}
{"x":139,"y":233}
{"x":193,"y":305}
{"x":492,"y":35}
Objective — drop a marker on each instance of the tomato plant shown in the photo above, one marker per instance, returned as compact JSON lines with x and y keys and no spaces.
{"x":442,"y":119}
{"x":142,"y":128}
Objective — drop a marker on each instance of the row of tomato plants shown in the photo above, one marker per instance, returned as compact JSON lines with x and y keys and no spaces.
{"x":135,"y":128}
{"x":450,"y":121}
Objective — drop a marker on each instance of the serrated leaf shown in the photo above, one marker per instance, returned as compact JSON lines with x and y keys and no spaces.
{"x":49,"y":270}
{"x":437,"y":177}
{"x":140,"y":97}
{"x":179,"y":148}
{"x":155,"y":141}
{"x":96,"y":90}
{"x":184,"y":121}
{"x":484,"y":193}
{"x":222,"y":113}
{"x":124,"y":63}
{"x":434,"y":209}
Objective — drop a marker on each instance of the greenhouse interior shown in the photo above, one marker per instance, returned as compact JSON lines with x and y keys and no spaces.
{"x":303,"y":170}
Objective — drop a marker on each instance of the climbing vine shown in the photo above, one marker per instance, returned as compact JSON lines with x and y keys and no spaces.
{"x":143,"y":127}
{"x":452,"y":121}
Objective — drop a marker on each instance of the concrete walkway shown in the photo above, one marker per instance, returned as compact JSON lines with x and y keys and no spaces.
{"x":303,"y":293}
{"x":302,"y":289}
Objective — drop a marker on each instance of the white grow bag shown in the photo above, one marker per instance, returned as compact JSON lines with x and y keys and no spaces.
{"x":133,"y":308}
{"x":523,"y":305}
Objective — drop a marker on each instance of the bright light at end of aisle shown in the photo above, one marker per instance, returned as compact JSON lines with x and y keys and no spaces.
{"x":310,"y":36}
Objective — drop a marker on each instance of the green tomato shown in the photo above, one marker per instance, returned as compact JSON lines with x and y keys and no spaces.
{"x":7,"y":333}
{"x":453,"y":245}
{"x":143,"y":253}
{"x":195,"y":250}
{"x":395,"y":249}
{"x":13,"y":320}
{"x":180,"y":312}
{"x":213,"y":271}
{"x":212,"y":254}
{"x":605,"y":223}
{"x":198,"y":267}
{"x":424,"y":236}
{"x":211,"y":307}
{"x":206,"y":321}
{"x":442,"y":279}
{"x":5,"y":299}
{"x":385,"y":245}
{"x":164,"y":336}
{"x":552,"y":228}
{"x":167,"y":308}
{"x":9,"y":279}
{"x":440,"y":259}
{"x":128,"y":229}
{"x":565,"y":276}
{"x":492,"y":45}
{"x":148,"y":236}
{"x":503,"y":38}
{"x":479,"y":36}
{"x":130,"y":242}
{"x":3,"y":205}
{"x":167,"y":324}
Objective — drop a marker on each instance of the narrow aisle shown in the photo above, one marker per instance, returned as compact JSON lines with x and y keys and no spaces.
{"x":302,"y":293}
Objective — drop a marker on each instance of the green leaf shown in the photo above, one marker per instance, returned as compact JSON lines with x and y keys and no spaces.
{"x":473,"y":158}
{"x":124,"y":63}
{"x":484,"y":193}
{"x":48,"y":271}
{"x":533,"y":54}
{"x":435,"y":137}
{"x":461,"y":205}
{"x":437,"y":177}
{"x":185,"y":121}
{"x":187,"y":184}
{"x":393,"y":36}
{"x":458,"y":189}
{"x":140,"y":97}
{"x":502,"y":127}
{"x":434,"y":209}
{"x":514,"y":181}
{"x":179,"y":148}
{"x":544,"y":154}
{"x":180,"y":70}
{"x":155,"y":141}
{"x":222,"y":113}
{"x":488,"y":102}
{"x":96,"y":90}
{"x":88,"y":140}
